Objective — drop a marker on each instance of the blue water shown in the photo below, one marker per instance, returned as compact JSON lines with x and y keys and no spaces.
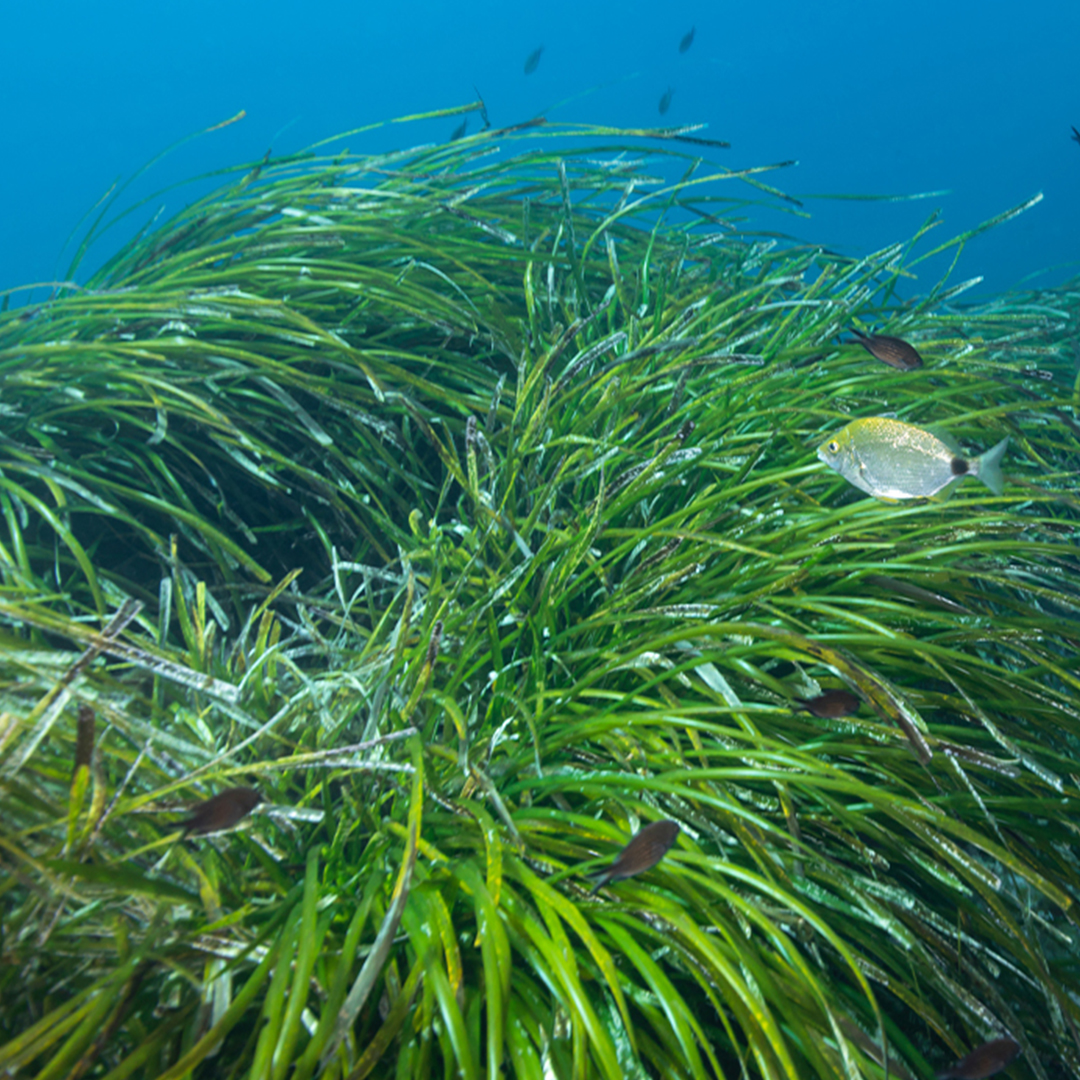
{"x":974,"y":98}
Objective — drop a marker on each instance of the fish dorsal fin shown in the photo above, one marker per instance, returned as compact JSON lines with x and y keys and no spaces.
{"x":949,"y":440}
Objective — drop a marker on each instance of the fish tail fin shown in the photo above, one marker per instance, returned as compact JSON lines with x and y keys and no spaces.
{"x":601,"y":881}
{"x":989,"y":467}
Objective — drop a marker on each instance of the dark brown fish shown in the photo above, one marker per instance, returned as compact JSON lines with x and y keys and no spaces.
{"x":832,"y":704}
{"x":223,"y":811}
{"x":665,"y":101}
{"x":533,"y":60}
{"x":893,"y":351}
{"x":647,"y":848}
{"x":984,"y":1061}
{"x":687,"y":41}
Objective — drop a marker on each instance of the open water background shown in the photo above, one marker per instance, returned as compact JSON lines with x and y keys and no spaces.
{"x":975,"y":98}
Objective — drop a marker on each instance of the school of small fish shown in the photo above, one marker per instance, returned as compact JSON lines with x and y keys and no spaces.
{"x":532,"y":62}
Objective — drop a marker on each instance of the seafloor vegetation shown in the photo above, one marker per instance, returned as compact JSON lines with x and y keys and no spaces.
{"x":464,"y":500}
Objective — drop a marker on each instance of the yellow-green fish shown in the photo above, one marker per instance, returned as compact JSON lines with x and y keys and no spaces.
{"x":893,"y":460}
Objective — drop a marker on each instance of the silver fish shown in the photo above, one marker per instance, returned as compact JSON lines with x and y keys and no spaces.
{"x":893,"y":460}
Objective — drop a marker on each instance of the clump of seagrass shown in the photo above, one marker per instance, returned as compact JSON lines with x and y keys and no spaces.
{"x":466,"y":506}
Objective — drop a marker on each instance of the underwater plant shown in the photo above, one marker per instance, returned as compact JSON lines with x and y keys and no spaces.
{"x":466,"y":507}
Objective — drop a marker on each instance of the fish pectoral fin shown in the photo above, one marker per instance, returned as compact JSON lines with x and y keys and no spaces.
{"x":946,"y":493}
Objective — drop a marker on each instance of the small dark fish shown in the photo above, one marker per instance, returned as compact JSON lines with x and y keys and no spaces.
{"x":893,"y":351}
{"x":459,"y":131}
{"x":665,"y":101}
{"x":84,"y":737}
{"x":647,"y":848}
{"x":533,"y":62}
{"x":687,"y":41}
{"x":222,"y":811}
{"x":832,"y":704}
{"x":1076,"y":134}
{"x":483,"y":110}
{"x":984,"y":1061}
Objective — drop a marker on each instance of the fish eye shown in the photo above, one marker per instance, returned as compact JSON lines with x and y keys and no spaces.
{"x":833,"y":447}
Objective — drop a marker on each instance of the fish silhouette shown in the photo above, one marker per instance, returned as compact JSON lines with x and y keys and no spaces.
{"x":665,"y":101}
{"x":687,"y":41}
{"x":483,"y":110}
{"x":984,"y":1061}
{"x":223,"y":811}
{"x":832,"y":704}
{"x":1075,"y":134}
{"x":893,"y":351}
{"x":459,"y":131}
{"x":646,"y":849}
{"x":533,"y":60}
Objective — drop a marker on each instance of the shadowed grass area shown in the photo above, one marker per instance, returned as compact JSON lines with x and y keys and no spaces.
{"x":465,"y":501}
